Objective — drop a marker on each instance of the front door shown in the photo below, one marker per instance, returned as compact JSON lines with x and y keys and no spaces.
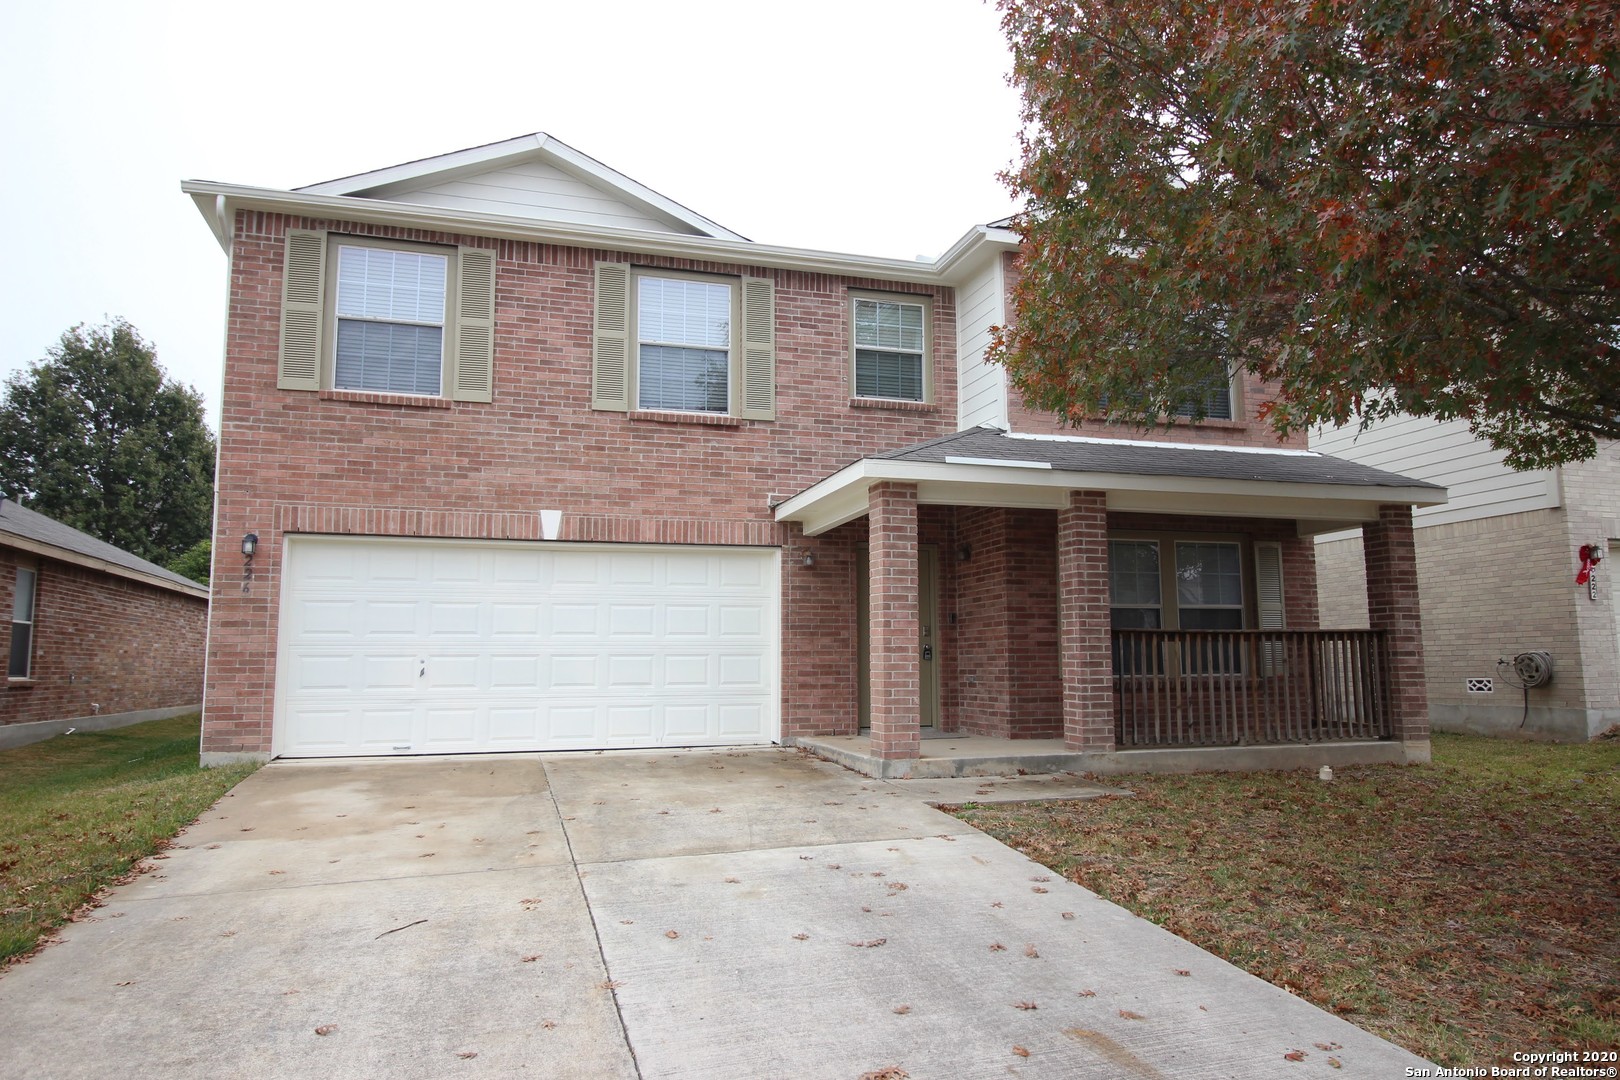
{"x":928,"y":637}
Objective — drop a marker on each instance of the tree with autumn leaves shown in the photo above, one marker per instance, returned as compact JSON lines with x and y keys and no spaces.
{"x":1379,"y":206}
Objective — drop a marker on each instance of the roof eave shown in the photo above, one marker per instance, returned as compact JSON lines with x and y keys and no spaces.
{"x":91,"y":562}
{"x":217,"y":200}
{"x":843,"y":496}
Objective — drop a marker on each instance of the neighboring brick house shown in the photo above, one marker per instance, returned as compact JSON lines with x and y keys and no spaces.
{"x":97,"y":637}
{"x":536,"y":458}
{"x":1497,"y":567}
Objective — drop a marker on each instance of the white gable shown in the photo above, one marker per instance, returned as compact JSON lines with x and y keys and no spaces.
{"x":532,"y":176}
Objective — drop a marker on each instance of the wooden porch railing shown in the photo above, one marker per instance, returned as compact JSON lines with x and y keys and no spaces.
{"x":1249,"y":687}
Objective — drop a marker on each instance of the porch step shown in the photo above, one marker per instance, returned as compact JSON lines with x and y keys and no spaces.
{"x":975,"y":755}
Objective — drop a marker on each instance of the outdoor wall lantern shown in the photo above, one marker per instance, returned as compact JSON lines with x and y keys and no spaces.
{"x":250,"y":544}
{"x":964,"y":552}
{"x":809,"y":558}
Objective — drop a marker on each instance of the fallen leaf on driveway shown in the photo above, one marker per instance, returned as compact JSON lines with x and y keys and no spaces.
{"x":425,"y":855}
{"x":901,"y":1010}
{"x":1294,"y":1055}
{"x":998,"y":947}
{"x":548,"y":1024}
{"x":1328,"y":1046}
{"x":872,"y":944}
{"x":326,"y":1029}
{"x":1037,"y":888}
{"x":672,"y":934}
{"x":1128,"y":1015}
{"x":1068,"y":914}
{"x":801,"y":937}
{"x":609,"y":984}
{"x":465,"y":1054}
{"x":888,"y":1072}
{"x":1032,"y":952}
{"x":1027,"y":1006}
{"x":532,"y":958}
{"x":1182,"y":971}
{"x":1020,"y":1051}
{"x":130,"y":983}
{"x":1335,"y":1063}
{"x":733,"y":881}
{"x":1088,"y":993}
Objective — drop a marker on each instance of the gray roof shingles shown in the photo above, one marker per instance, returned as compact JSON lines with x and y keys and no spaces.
{"x":17,"y":520}
{"x":1135,"y":459}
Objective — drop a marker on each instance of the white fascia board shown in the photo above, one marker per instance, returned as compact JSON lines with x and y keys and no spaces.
{"x":455,"y":161}
{"x":91,"y":562}
{"x":539,"y":144}
{"x":979,"y":242}
{"x":842,"y":497}
{"x":205,"y":193}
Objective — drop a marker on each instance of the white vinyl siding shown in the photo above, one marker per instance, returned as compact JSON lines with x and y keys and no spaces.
{"x":981,"y":386}
{"x":533,"y":189}
{"x":1479,"y":484}
{"x":395,"y":646}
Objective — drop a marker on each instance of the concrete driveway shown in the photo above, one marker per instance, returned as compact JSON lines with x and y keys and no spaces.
{"x":750,"y":914}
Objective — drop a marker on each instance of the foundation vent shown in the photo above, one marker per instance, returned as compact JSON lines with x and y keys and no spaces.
{"x":1481,"y":686}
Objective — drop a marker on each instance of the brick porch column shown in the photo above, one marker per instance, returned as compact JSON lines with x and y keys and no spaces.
{"x":895,"y":683}
{"x":1083,"y":623}
{"x":1392,"y":606}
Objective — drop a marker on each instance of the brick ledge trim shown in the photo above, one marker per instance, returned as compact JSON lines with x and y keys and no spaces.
{"x":493,"y":525}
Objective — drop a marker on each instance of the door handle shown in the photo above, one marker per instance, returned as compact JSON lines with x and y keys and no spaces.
{"x":927,"y":652}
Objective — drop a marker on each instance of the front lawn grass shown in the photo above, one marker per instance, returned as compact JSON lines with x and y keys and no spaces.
{"x":78,"y":811}
{"x":1465,"y":910}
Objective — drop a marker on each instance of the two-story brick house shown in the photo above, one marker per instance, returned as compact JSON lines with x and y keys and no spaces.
{"x":536,"y":458}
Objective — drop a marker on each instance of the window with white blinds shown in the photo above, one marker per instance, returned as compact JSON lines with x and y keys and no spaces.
{"x":391,"y":313}
{"x":891,"y":346}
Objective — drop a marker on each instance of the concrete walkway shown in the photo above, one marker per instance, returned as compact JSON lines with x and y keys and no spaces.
{"x":706,"y":914}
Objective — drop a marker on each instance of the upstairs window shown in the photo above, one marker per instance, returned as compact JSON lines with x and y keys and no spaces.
{"x":22,"y":624}
{"x":1216,"y":395}
{"x":684,"y":344}
{"x":365,"y":315}
{"x":391,"y":312}
{"x":891,"y":348}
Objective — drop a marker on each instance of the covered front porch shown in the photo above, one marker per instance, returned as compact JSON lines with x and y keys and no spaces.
{"x":1041,"y":604}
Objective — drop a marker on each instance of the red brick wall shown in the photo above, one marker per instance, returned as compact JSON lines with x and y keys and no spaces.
{"x":1245,"y":429}
{"x":293,"y":461}
{"x":892,"y":525}
{"x":102,"y":644}
{"x":1007,"y":629}
{"x":1088,"y":705}
{"x":1392,"y":606}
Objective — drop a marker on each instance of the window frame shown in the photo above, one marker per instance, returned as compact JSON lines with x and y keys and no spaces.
{"x":1188,"y":413}
{"x":32,"y":569}
{"x":1170,"y":606}
{"x":335,"y":242}
{"x":922,"y":300}
{"x":734,"y":348}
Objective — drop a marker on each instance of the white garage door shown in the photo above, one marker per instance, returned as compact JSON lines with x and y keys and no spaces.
{"x":439,"y":647}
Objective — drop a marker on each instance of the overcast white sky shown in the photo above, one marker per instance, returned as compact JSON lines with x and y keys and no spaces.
{"x":868,"y":126}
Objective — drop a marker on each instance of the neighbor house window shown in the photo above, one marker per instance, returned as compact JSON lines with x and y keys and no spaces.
{"x":22,"y":624}
{"x":391,"y":311}
{"x":683,"y":344}
{"x":891,"y":348}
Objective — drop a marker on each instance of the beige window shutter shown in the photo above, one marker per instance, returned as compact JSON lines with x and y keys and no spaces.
{"x":303,"y":284}
{"x":475,"y":326}
{"x":759,"y":349}
{"x":610,"y":347}
{"x":1268,"y":587}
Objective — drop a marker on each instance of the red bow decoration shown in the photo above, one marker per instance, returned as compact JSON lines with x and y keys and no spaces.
{"x":1591,"y":555}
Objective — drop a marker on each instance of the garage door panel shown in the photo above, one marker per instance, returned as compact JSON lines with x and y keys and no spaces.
{"x":449,"y":646}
